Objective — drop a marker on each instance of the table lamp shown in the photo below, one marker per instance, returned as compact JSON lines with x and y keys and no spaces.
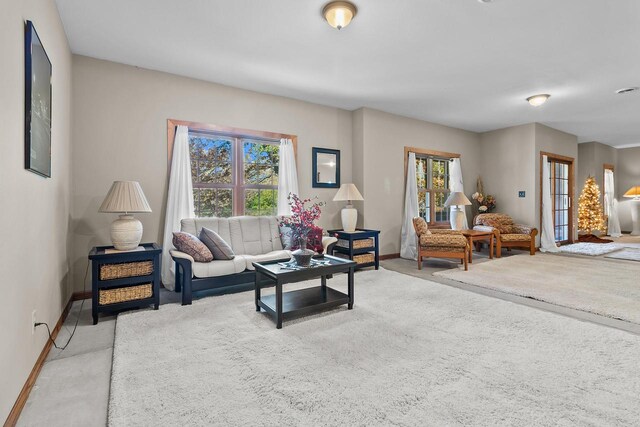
{"x":349,"y":214}
{"x":125,"y":197}
{"x":457,"y":199}
{"x":634,"y":193}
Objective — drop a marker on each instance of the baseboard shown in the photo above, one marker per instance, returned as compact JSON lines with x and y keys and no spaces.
{"x":389,"y":256}
{"x":12,"y":419}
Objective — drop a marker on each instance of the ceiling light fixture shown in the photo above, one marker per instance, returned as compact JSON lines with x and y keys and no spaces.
{"x":626,"y":90}
{"x":339,"y":13}
{"x":538,"y":100}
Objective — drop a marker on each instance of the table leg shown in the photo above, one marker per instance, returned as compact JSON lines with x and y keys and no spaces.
{"x":491,"y":247}
{"x":257,"y":290}
{"x":323,"y":287}
{"x":278,"y":305}
{"x":350,"y":288}
{"x":470,"y":250}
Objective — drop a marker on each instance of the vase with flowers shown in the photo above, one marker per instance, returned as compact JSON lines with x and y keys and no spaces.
{"x":304,"y":214}
{"x":485,"y":202}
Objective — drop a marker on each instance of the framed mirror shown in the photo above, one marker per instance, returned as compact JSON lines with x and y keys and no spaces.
{"x":326,"y":168}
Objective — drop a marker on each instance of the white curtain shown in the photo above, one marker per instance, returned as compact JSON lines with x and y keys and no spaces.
{"x":179,"y":200}
{"x":287,"y":177}
{"x":408,"y":244}
{"x":611,"y":204}
{"x":456,"y":184}
{"x":547,"y":238}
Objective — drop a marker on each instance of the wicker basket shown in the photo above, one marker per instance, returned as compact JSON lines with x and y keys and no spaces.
{"x":359,"y":259}
{"x":130,"y":293}
{"x":126,"y":269}
{"x":357,"y":244}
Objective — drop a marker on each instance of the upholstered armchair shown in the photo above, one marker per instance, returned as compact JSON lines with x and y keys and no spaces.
{"x":507,"y":233}
{"x":440,"y":243}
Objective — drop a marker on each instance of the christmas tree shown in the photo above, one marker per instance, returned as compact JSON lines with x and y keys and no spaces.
{"x":589,"y":207}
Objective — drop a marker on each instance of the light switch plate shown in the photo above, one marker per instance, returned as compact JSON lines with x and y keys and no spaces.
{"x":521,"y":194}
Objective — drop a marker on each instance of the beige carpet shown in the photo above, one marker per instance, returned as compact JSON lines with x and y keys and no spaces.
{"x":600,"y":286}
{"x":411,"y":353}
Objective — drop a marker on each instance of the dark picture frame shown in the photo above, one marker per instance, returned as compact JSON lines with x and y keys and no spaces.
{"x":318,"y":181}
{"x":37,"y":104}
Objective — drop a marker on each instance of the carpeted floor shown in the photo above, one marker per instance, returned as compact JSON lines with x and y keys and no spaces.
{"x":627,"y":254}
{"x":412,"y":352}
{"x":604,"y":287}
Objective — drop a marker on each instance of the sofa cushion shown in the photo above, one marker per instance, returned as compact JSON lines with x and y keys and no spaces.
{"x":219,"y":267}
{"x":271,"y":256}
{"x":190,"y":244}
{"x":218,"y":247}
{"x":247,"y":235}
{"x":515,"y":237}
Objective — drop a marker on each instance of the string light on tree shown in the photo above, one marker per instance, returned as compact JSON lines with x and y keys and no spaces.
{"x":589,"y":207}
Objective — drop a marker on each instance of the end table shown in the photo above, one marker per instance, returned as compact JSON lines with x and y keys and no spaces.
{"x":474,"y":236}
{"x":124,"y":279}
{"x":361,"y":246}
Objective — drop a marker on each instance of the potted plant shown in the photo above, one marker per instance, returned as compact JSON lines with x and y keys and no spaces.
{"x":301,"y":223}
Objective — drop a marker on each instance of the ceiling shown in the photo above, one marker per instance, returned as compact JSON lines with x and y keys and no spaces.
{"x":460,"y":63}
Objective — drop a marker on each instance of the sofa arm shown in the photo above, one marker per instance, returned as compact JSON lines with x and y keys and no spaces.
{"x":177,"y":254}
{"x":328,"y":242}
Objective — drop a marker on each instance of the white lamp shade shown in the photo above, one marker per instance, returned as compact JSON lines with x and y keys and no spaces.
{"x":457,"y":198}
{"x":125,"y":197}
{"x":347,"y":192}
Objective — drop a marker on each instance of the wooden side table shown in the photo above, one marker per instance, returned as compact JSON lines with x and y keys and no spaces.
{"x":474,"y":236}
{"x":361,"y":246}
{"x":124,"y":279}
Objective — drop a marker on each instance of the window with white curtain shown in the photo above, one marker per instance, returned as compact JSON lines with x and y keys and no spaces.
{"x":432,"y":174}
{"x":233,"y":175}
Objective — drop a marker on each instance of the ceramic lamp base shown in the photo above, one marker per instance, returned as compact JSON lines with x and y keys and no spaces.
{"x":126,"y":233}
{"x":457,"y":219}
{"x":349,"y":216}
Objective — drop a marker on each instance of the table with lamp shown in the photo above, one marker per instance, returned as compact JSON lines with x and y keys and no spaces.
{"x":457,"y":200}
{"x":357,"y":244}
{"x":634,"y":194}
{"x":127,"y":274}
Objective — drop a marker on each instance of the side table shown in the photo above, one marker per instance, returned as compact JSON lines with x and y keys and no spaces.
{"x":124,"y":279}
{"x":478,"y":236}
{"x":361,"y":246}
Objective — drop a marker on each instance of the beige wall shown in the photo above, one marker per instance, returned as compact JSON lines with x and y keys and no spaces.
{"x":628,"y":175}
{"x":561,"y":143}
{"x":120,"y":133}
{"x":35,"y":214}
{"x":384,"y":138}
{"x":507,"y":159}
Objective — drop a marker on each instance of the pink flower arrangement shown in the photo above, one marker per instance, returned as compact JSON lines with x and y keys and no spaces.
{"x":303,"y":218}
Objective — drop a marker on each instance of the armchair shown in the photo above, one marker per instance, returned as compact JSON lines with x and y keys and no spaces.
{"x":440,"y":243}
{"x":507,"y":233}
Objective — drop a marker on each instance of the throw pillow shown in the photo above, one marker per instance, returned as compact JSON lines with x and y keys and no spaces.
{"x":218,"y":247}
{"x":191,"y":245}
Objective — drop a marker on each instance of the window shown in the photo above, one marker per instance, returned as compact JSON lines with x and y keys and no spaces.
{"x":432,"y":174}
{"x":233,"y":175}
{"x":560,"y":199}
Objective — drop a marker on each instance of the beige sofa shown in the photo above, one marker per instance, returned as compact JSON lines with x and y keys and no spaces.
{"x":252,"y":238}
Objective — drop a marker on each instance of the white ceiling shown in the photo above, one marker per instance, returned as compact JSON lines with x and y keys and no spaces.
{"x":461,"y":63}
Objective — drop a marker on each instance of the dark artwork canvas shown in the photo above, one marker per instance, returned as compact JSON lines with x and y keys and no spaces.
{"x":37,"y":104}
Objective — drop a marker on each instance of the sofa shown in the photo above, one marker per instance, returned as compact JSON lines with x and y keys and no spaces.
{"x":252,"y":238}
{"x":507,"y":233}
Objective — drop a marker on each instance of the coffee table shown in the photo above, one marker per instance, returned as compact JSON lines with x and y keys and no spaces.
{"x":478,"y":236}
{"x":305,"y":300}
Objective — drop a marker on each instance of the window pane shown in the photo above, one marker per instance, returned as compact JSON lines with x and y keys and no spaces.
{"x":260,"y":202}
{"x":213,"y":202}
{"x":260,"y":163}
{"x":211,"y":159}
{"x":441,"y":212}
{"x":423,"y":206}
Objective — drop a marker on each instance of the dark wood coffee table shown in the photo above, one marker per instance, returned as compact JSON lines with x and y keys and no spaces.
{"x":474,"y":236}
{"x":305,"y":300}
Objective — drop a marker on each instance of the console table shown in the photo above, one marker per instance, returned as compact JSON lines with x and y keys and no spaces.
{"x":361,"y":246}
{"x":124,"y":279}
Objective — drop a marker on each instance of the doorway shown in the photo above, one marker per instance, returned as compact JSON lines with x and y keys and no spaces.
{"x":561,"y":184}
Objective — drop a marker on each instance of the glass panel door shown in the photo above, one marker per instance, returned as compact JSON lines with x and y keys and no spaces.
{"x":561,"y":200}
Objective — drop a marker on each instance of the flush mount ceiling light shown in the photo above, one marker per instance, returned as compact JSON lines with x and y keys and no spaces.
{"x":538,"y":100}
{"x":339,"y":13}
{"x":626,"y":90}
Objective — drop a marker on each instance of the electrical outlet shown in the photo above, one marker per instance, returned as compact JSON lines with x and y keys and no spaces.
{"x":33,"y":322}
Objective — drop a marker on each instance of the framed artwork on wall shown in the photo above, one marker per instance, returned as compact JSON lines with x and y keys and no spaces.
{"x":37,"y":111}
{"x":326,"y":168}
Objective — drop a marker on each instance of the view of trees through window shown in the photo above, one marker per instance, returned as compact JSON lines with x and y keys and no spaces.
{"x":433,"y":188}
{"x":233,"y":175}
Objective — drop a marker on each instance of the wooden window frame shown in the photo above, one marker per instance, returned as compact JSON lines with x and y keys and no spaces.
{"x":441,"y":155}
{"x":571,"y":162}
{"x":239,"y":136}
